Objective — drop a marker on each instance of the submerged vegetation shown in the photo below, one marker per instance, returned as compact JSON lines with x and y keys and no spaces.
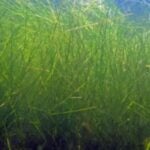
{"x":72,"y":78}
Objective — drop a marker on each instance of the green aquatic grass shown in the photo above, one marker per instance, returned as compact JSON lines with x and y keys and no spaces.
{"x":64,"y":70}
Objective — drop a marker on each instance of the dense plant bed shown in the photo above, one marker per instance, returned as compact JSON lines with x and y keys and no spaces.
{"x":72,"y":78}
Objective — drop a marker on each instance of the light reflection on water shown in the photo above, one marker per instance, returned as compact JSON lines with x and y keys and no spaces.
{"x":137,"y":10}
{"x":133,"y":10}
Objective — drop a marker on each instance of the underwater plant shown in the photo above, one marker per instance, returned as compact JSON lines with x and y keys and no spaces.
{"x":72,"y":79}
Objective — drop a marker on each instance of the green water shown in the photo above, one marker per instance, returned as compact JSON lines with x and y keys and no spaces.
{"x":72,"y":81}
